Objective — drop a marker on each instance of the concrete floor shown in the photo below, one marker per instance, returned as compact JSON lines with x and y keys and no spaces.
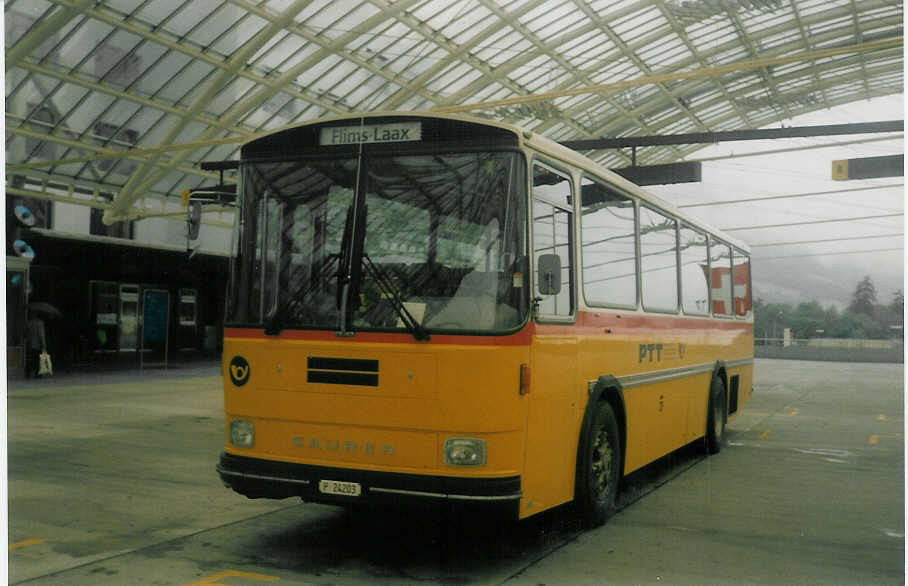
{"x":112,"y":481}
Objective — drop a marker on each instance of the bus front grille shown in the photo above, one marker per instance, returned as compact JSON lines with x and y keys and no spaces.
{"x":342,"y":371}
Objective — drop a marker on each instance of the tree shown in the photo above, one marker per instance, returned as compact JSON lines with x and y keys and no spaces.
{"x":770,"y":319}
{"x":898,"y":303}
{"x":863,"y":298}
{"x":830,"y":318}
{"x":808,"y":319}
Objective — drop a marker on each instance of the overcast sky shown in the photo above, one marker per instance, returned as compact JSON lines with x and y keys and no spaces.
{"x":824,"y":277}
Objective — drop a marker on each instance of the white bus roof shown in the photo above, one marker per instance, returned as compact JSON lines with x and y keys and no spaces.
{"x":545,"y":146}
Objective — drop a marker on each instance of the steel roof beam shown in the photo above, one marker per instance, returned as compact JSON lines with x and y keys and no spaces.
{"x":101,"y":154}
{"x":813,"y":19}
{"x":237,"y":62}
{"x":122,"y":95}
{"x":489,"y":73}
{"x":205,"y":57}
{"x":461,"y":53}
{"x":45,"y":29}
{"x":682,"y":34}
{"x":763,"y":121}
{"x":520,"y":60}
{"x":733,"y":135}
{"x":319,"y":40}
{"x":544,"y":48}
{"x":631,"y":54}
{"x":125,"y":198}
{"x":617,"y":127}
{"x":763,"y":72}
{"x":805,"y":37}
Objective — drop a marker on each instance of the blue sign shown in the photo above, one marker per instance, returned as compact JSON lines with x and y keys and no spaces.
{"x":155,"y":313}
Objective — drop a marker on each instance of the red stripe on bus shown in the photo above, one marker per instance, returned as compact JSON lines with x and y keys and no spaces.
{"x":521,"y":338}
{"x":599,"y":323}
{"x":588,"y":323}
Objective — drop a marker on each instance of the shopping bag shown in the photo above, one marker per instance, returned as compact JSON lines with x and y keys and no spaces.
{"x":45,"y":367}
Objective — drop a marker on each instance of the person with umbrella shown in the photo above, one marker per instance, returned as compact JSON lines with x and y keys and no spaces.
{"x":35,"y":344}
{"x":35,"y":337}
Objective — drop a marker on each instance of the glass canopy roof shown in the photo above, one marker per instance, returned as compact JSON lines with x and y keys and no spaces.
{"x":114,"y":103}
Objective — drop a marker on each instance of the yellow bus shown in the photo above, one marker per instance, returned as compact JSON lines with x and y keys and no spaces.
{"x":431,"y":308}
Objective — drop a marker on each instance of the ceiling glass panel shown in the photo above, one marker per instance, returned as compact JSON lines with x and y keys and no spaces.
{"x":125,"y":74}
{"x":20,"y":16}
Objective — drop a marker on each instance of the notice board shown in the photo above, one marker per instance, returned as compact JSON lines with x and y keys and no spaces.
{"x":155,"y":313}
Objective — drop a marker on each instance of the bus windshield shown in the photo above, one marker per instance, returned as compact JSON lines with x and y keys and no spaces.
{"x":383,"y":242}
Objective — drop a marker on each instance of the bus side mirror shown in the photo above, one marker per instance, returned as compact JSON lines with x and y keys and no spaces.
{"x":194,"y":219}
{"x":548,"y":272}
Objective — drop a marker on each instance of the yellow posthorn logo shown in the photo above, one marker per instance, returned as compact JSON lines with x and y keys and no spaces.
{"x":238,"y":370}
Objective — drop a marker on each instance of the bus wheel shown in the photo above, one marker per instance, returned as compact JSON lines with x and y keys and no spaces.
{"x":715,"y":417}
{"x":600,"y":469}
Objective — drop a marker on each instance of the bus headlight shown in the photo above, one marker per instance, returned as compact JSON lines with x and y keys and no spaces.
{"x":465,"y":451}
{"x":242,"y":433}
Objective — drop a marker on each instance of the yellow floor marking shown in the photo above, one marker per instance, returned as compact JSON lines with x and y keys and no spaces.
{"x":213,"y":579}
{"x":764,"y":434}
{"x":875,"y":439}
{"x":882,"y":417}
{"x":26,"y":543}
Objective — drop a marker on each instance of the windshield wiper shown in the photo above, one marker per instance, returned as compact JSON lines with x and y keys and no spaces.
{"x":393,"y":296}
{"x":288,"y":310}
{"x":349,"y":270}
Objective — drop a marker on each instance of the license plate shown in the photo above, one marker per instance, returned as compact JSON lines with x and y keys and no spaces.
{"x":338,"y":487}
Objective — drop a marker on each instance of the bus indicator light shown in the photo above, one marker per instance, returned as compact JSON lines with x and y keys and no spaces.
{"x":525,"y":378}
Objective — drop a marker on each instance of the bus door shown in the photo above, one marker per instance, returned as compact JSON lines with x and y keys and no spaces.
{"x":552,"y":411}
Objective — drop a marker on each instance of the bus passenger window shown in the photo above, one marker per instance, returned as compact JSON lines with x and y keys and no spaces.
{"x":272,"y":220}
{"x":552,"y":235}
{"x":694,"y":276}
{"x":659,"y":270}
{"x":609,"y":246}
{"x":720,"y":277}
{"x":298,"y":240}
{"x":741,"y":274}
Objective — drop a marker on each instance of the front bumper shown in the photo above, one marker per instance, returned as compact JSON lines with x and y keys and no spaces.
{"x":257,"y":478}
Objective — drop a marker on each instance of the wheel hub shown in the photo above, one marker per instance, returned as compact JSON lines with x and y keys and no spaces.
{"x":603,"y":460}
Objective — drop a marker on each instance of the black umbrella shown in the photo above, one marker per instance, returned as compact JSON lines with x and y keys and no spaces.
{"x":45,"y":308}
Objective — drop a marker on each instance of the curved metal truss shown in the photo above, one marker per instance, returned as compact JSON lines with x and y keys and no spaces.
{"x":113,"y":103}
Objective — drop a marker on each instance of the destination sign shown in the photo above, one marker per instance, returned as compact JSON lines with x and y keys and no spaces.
{"x":371,"y":133}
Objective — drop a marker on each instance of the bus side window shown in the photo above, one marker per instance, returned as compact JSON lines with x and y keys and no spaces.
{"x":609,"y":246}
{"x":658,"y":261}
{"x":694,"y":272}
{"x":552,"y":230}
{"x":741,"y":274}
{"x":720,"y":277}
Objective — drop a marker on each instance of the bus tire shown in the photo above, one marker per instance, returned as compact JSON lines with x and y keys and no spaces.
{"x":600,"y":467}
{"x":715,"y":417}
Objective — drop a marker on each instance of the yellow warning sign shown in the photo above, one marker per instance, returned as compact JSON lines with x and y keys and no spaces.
{"x":840,"y":170}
